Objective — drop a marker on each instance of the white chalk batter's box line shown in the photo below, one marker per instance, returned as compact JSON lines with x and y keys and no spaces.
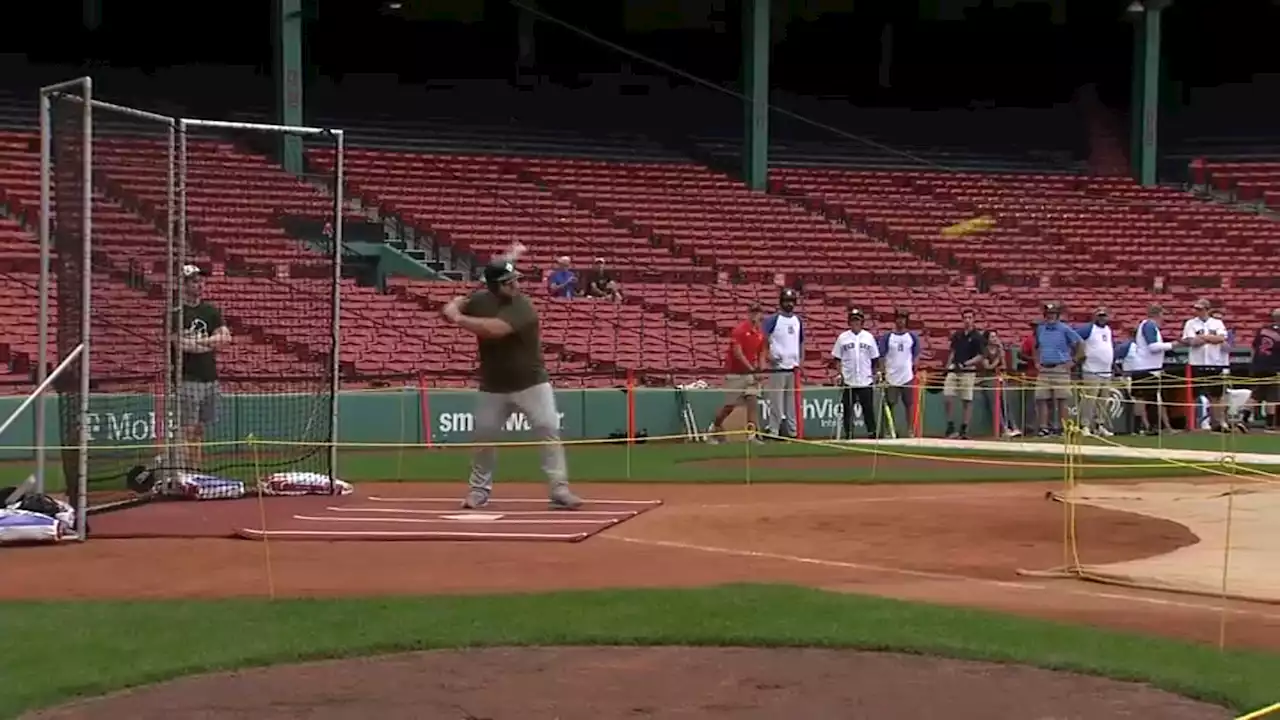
{"x":605,"y":514}
{"x":461,"y":519}
{"x":503,"y":501}
{"x":326,"y":535}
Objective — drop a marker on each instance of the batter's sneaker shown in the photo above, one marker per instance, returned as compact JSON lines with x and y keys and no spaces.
{"x":475,"y":500}
{"x":712,"y":435}
{"x":563,"y":499}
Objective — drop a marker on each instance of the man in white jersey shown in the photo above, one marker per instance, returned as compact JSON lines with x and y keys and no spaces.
{"x":899,"y":350}
{"x":1097,"y":376}
{"x":856,"y":358}
{"x":1149,"y":348}
{"x":784,"y":332}
{"x":1206,"y":336}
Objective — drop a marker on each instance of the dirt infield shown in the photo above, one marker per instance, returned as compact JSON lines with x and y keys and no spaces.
{"x":607,"y":683}
{"x":950,"y":544}
{"x":956,"y":544}
{"x":852,"y":460}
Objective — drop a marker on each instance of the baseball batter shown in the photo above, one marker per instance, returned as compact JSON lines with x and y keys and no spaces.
{"x":512,"y":378}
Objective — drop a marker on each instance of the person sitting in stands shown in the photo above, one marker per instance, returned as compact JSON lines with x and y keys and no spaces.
{"x":602,"y":284}
{"x":563,"y":283}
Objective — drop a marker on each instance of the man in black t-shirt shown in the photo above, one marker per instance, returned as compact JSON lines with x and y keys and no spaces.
{"x":1265,"y":369}
{"x":967,"y":345}
{"x":201,"y":333}
{"x":602,"y":284}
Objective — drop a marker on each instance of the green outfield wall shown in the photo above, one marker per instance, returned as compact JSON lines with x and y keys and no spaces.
{"x":396,"y":416}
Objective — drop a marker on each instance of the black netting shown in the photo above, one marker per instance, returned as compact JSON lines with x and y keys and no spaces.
{"x":262,"y":236}
{"x":261,"y":239}
{"x":126,"y":307}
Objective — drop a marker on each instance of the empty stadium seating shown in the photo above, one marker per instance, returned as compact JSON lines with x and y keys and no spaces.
{"x":1248,"y":181}
{"x":692,"y":246}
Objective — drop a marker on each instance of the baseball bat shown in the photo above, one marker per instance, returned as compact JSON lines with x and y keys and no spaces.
{"x":889,"y":424}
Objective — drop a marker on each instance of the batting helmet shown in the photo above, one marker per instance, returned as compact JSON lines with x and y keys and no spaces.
{"x":788,"y":298}
{"x":498,"y":272}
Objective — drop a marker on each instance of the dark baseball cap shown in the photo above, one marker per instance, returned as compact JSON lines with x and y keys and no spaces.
{"x":855,"y":313}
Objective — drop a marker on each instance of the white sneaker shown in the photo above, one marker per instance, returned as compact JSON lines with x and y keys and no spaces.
{"x":713,"y":439}
{"x":1103,"y":432}
{"x":1086,"y":432}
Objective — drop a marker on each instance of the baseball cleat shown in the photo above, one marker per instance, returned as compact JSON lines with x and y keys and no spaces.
{"x":564,"y":499}
{"x":475,"y":500}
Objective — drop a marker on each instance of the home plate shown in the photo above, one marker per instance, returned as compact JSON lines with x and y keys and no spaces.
{"x":473,"y":517}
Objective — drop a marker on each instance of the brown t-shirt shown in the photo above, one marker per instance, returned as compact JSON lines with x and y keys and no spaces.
{"x":514,"y":362}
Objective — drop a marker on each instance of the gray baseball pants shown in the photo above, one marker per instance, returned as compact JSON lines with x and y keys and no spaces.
{"x":782,"y":402}
{"x":538,"y":403}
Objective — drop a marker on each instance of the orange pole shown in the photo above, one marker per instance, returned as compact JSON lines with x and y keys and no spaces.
{"x":799,"y":409}
{"x":424,"y":408}
{"x":917,"y":419}
{"x":631,"y":406}
{"x":997,"y":413}
{"x":1189,"y":409}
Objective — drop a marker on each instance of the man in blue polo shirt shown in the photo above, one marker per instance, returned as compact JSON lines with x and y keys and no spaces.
{"x":1058,"y":346}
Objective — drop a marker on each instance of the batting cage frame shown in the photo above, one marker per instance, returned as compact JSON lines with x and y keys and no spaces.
{"x":169,"y":138}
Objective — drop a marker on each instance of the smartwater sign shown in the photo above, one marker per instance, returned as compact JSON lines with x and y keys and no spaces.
{"x":464,"y":423}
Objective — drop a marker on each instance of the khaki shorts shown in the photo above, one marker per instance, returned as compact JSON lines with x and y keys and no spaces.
{"x":1054,"y":383}
{"x":742,"y":387}
{"x":959,"y":385}
{"x":1096,"y":384}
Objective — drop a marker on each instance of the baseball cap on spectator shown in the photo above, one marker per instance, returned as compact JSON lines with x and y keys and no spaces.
{"x":191,"y":271}
{"x":1201,"y":304}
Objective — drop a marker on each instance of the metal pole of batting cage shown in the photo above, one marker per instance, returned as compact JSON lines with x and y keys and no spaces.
{"x":124,"y":110}
{"x":42,"y":388}
{"x":42,"y":285}
{"x":335,"y":381}
{"x":86,"y":308}
{"x":168,"y":383}
{"x":262,"y":127}
{"x":176,"y":291}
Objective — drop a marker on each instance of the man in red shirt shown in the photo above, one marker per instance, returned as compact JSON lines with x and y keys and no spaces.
{"x":746,"y":352}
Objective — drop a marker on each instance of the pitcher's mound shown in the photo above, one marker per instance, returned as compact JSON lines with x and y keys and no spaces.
{"x":647,"y":683}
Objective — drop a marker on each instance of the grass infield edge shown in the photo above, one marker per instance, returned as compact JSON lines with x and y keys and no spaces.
{"x":126,"y":644}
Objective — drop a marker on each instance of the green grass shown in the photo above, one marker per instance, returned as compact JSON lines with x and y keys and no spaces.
{"x":60,"y":649}
{"x":734,"y":463}
{"x":1256,"y":442}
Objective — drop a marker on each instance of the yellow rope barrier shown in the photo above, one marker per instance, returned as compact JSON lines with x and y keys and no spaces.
{"x":1261,"y":712}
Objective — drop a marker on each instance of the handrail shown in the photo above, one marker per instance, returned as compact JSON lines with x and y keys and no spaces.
{"x":42,"y":387}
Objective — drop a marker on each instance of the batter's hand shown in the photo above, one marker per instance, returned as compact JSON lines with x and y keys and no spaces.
{"x":451,"y":310}
{"x":514,"y":251}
